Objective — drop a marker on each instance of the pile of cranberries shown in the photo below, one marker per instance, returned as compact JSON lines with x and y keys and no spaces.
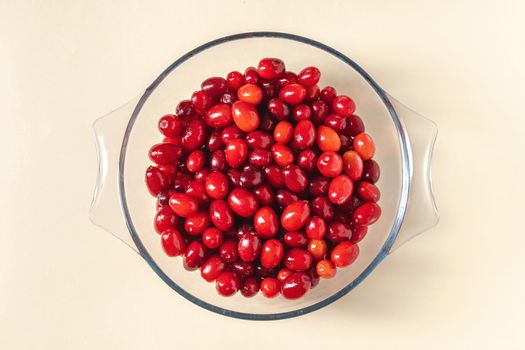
{"x":264,"y":181}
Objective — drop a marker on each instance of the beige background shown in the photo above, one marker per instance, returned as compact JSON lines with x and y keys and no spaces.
{"x":66,"y":284}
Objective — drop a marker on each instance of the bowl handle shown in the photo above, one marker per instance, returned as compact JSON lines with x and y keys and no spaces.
{"x":105,"y":210}
{"x":421,"y":213}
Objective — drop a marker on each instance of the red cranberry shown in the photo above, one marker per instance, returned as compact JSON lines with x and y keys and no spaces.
{"x":292,"y":93}
{"x":340,"y":190}
{"x":165,"y":153}
{"x":264,"y":194}
{"x":195,"y":161}
{"x":194,"y":256}
{"x":273,"y":176}
{"x":215,"y":142}
{"x":283,"y":132}
{"x":216,"y":185}
{"x":212,"y":268}
{"x":227,"y":284}
{"x":309,"y":76}
{"x":259,"y":139}
{"x":251,"y":177}
{"x":181,"y":181}
{"x":295,"y":239}
{"x":319,"y":185}
{"x":312,"y":93}
{"x":283,"y":274}
{"x":251,"y":76}
{"x":183,"y":205}
{"x":285,"y":198}
{"x":272,"y":253}
{"x":197,"y":189}
{"x":249,"y":247}
{"x":266,"y":222}
{"x":364,"y":145}
{"x":325,"y":269}
{"x":352,"y":165}
{"x":172,"y":242}
{"x":212,"y":238}
{"x":367,"y":214}
{"x":336,"y":122}
{"x":184,"y":109}
{"x":282,"y":155}
{"x":344,"y":254}
{"x":201,"y":101}
{"x":156,"y":180}
{"x":221,"y":215}
{"x":330,"y":164}
{"x":201,"y":174}
{"x":194,"y":135}
{"x":234,"y":80}
{"x":236,"y":153}
{"x":304,"y":134}
{"x":214,"y":87}
{"x":286,"y":78}
{"x":270,"y":91}
{"x":295,"y":215}
{"x":260,"y":157}
{"x":278,"y":109}
{"x":343,"y":106}
{"x":297,"y":259}
{"x":243,"y":202}
{"x":371,"y":171}
{"x":219,"y":116}
{"x":250,"y":287}
{"x":228,"y":251}
{"x":163,"y":198}
{"x":318,"y":248}
{"x":294,"y":178}
{"x":319,"y":112}
{"x":328,"y":94}
{"x":270,"y":68}
{"x":321,"y":206}
{"x":368,"y":191}
{"x":270,"y":287}
{"x":170,"y":125}
{"x":296,"y":285}
{"x":338,"y":232}
{"x":354,"y":125}
{"x":242,"y":269}
{"x":301,"y":112}
{"x":267,"y":123}
{"x":234,"y":176}
{"x":165,"y":219}
{"x":327,"y":139}
{"x":358,"y":232}
{"x":231,"y":132}
{"x":307,"y":160}
{"x":250,"y":93}
{"x":316,"y":228}
{"x":245,"y":116}
{"x":196,"y":224}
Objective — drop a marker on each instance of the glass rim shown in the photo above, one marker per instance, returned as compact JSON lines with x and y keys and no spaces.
{"x":406,"y":157}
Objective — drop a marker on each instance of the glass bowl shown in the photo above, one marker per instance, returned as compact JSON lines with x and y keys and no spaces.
{"x":404,"y":142}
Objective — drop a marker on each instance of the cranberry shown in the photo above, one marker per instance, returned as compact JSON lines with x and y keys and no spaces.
{"x":194,"y":256}
{"x":221,"y":215}
{"x":286,"y":78}
{"x":250,"y":93}
{"x":218,"y":161}
{"x":358,"y":232}
{"x":328,"y":94}
{"x":354,"y":125}
{"x":335,"y":122}
{"x":227,"y":284}
{"x":236,"y":153}
{"x":259,"y":139}
{"x":216,"y":185}
{"x":319,"y":112}
{"x":163,"y":198}
{"x":172,"y":242}
{"x":367,"y":214}
{"x":251,"y":177}
{"x":315,"y":228}
{"x":234,"y":80}
{"x":170,"y":125}
{"x":312,"y":93}
{"x":250,"y":287}
{"x":270,"y":91}
{"x":248,"y":247}
{"x":352,"y":204}
{"x":165,"y":153}
{"x":264,"y":194}
{"x":212,"y":268}
{"x":325,"y":269}
{"x":283,"y":132}
{"x":297,"y":259}
{"x":183,"y":205}
{"x":304,"y":134}
{"x":327,"y":139}
{"x":338,"y":232}
{"x":352,"y":165}
{"x":184,"y":109}
{"x":272,"y":253}
{"x":283,"y":274}
{"x":278,"y":109}
{"x":343,"y":106}
{"x":294,"y":178}
{"x":201,"y":174}
{"x":196,"y":224}
{"x":292,"y":93}
{"x":319,"y":185}
{"x":195,"y":161}
{"x":197,"y":189}
{"x":194,"y":135}
{"x":228,"y":98}
{"x":201,"y":101}
{"x":156,"y":180}
{"x":301,"y":112}
{"x":273,"y":176}
{"x":318,"y":248}
{"x":251,"y":76}
{"x":344,"y":254}
{"x":231,"y":132}
{"x":219,"y":116}
{"x":245,"y":116}
{"x":266,"y":222}
{"x":368,"y":191}
{"x":234,"y":176}
{"x":296,"y":285}
{"x":267,"y":123}
{"x":212,"y":238}
{"x":270,"y":68}
{"x":309,"y":76}
{"x":340,"y":190}
{"x":321,"y":206}
{"x":243,"y":202}
{"x":364,"y":145}
{"x":270,"y":287}
{"x":214,"y":86}
{"x":285,"y":198}
{"x":307,"y":160}
{"x":371,"y":171}
{"x":260,"y":157}
{"x":295,"y":215}
{"x":295,"y":239}
{"x":330,"y":164}
{"x":180,"y":182}
{"x":228,"y":251}
{"x":282,"y":155}
{"x":165,"y":219}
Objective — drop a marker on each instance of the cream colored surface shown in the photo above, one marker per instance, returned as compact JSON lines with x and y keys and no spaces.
{"x":66,"y":284}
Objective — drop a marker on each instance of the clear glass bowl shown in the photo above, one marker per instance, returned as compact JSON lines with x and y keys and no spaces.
{"x":404,"y":142}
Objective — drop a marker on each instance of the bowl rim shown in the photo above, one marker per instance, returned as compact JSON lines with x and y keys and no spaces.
{"x":406,"y":157}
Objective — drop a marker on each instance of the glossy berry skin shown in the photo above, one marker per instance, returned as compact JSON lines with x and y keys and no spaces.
{"x":364,"y":145}
{"x":294,"y":178}
{"x":295,"y":215}
{"x":278,"y":109}
{"x":251,"y":176}
{"x":371,"y":171}
{"x":195,"y":161}
{"x":282,"y":155}
{"x":338,"y":232}
{"x":330,"y":164}
{"x":343,"y":106}
{"x":184,"y":109}
{"x":242,"y":269}
{"x":165,"y":153}
{"x":319,"y":112}
{"x":221,"y":215}
{"x":218,"y":160}
{"x":172,"y":242}
{"x":328,"y":94}
{"x":266,"y":222}
{"x":273,"y":176}
{"x":336,"y":122}
{"x":251,"y":76}
{"x":307,"y":160}
{"x":270,"y":287}
{"x":325,"y":269}
{"x":201,"y":101}
{"x":312,"y":93}
{"x":197,"y":189}
{"x":243,"y":202}
{"x":295,"y":239}
{"x":368,"y":191}
{"x":197,"y":223}
{"x":227,"y":284}
{"x":259,"y":140}
{"x":236,"y":153}
{"x":315,"y":228}
{"x":264,"y":194}
{"x":214,"y":86}
{"x":250,"y":93}
{"x":212,"y":238}
{"x":367,"y":214}
{"x":283,"y":132}
{"x":318,"y":248}
{"x":327,"y":139}
{"x":250,"y":287}
{"x":283,"y":274}
{"x":354,"y":125}
{"x":228,"y":251}
{"x":321,"y":206}
{"x":270,"y":68}
{"x":231,"y":132}
{"x":344,"y":254}
{"x":296,"y":285}
{"x":304,"y":134}
{"x":212,"y":268}
{"x":170,"y":125}
{"x":292,"y":94}
{"x":272,"y":253}
{"x":318,"y":185}
{"x":183,"y":205}
{"x":340,"y":189}
{"x":249,"y":247}
{"x":194,"y":135}
{"x":260,"y":157}
{"x":194,"y":256}
{"x":156,"y":180}
{"x":216,"y":185}
{"x":245,"y":116}
{"x":353,"y":165}
{"x":297,"y":259}
{"x":234,"y":80}
{"x":301,"y":112}
{"x":219,"y":116}
{"x":309,"y":76}
{"x":358,"y":232}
